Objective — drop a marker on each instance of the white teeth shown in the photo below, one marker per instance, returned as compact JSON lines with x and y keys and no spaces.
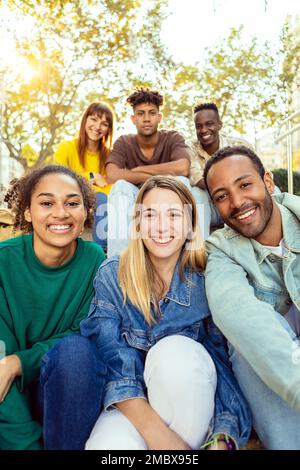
{"x":247,"y":214}
{"x":162,"y":240}
{"x":59,"y":227}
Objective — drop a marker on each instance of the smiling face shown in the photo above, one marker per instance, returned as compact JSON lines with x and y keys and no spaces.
{"x":163,"y":225}
{"x":96,"y":127}
{"x":56,"y":212}
{"x":207,"y":126}
{"x":242,"y":197}
{"x":146,"y":118}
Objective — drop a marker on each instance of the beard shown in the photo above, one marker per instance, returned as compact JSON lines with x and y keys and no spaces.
{"x":256,"y":229}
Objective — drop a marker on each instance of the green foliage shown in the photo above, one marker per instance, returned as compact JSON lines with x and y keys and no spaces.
{"x":78,"y":52}
{"x":240,"y":78}
{"x":290,"y":75}
{"x":281,"y":180}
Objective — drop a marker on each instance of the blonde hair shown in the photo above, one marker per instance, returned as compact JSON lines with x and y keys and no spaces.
{"x":137,"y":275}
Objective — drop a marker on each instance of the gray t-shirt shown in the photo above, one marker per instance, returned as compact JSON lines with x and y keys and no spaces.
{"x":127,"y":154}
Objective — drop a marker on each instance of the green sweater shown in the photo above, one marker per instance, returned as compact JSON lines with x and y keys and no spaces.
{"x":39,"y":304}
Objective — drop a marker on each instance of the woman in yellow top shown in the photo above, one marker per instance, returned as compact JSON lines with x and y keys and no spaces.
{"x":87,"y":156}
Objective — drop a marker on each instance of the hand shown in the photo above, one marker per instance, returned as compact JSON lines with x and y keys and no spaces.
{"x":99,"y":180}
{"x":10,"y":368}
{"x":155,"y":432}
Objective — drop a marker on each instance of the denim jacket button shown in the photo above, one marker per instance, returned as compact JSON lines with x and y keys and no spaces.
{"x":272,"y":258}
{"x":166,"y":300}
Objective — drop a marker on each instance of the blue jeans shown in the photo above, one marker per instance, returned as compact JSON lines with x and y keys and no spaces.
{"x":207,"y":213}
{"x":72,"y":383}
{"x":100,"y":221}
{"x":120,"y":205}
{"x":276,"y":423}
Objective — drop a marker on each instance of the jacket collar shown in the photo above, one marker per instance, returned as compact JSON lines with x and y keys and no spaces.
{"x":289,"y":206}
{"x":290,"y":213}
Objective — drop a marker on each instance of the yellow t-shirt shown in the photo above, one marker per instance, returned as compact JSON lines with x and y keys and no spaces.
{"x":67,"y":155}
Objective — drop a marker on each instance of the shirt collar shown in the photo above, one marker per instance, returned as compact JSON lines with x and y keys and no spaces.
{"x":202,"y":153}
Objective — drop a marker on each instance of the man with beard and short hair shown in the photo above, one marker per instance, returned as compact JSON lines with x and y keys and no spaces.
{"x":253,"y":289}
{"x":136,"y":157}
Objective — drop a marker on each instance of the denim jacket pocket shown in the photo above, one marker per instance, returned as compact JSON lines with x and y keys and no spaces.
{"x":137,"y":338}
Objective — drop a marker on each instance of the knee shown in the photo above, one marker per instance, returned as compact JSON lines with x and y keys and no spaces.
{"x":71,"y":355}
{"x":70,"y":346}
{"x":122,"y":187}
{"x":176,"y":361}
{"x":185,"y":181}
{"x":200,"y":195}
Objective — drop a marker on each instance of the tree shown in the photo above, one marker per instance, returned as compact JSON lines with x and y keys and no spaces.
{"x":290,"y":75}
{"x":79,"y":52}
{"x":281,"y":180}
{"x":241,"y":79}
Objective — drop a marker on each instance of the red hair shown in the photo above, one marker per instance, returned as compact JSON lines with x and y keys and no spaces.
{"x":105,"y":144}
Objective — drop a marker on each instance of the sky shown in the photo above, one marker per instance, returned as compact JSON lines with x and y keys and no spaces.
{"x":196,"y":24}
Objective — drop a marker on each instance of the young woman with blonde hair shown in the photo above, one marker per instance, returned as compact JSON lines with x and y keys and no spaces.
{"x":87,"y":156}
{"x":169,"y":383}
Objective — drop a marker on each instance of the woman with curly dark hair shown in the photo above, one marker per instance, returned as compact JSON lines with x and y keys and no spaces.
{"x":46,"y":286}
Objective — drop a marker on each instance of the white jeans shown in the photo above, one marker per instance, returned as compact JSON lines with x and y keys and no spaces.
{"x":181,"y":381}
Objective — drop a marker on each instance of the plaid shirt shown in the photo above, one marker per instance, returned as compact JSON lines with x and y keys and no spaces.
{"x":199,"y":156}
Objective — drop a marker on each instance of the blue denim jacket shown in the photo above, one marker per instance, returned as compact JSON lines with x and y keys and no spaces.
{"x":123,"y":338}
{"x":247,"y":286}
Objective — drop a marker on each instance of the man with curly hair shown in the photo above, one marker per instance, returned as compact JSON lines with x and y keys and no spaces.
{"x":136,"y":157}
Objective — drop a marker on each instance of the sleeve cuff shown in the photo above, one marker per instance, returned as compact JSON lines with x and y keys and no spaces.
{"x":30,"y":367}
{"x":121,"y":390}
{"x":225,"y":423}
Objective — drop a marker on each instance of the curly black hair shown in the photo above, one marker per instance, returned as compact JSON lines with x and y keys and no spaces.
{"x":145,"y":95}
{"x":18,"y":196}
{"x":203,"y":106}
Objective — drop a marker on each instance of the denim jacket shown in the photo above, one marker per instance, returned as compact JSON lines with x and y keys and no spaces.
{"x":123,"y":338}
{"x":247,"y":286}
